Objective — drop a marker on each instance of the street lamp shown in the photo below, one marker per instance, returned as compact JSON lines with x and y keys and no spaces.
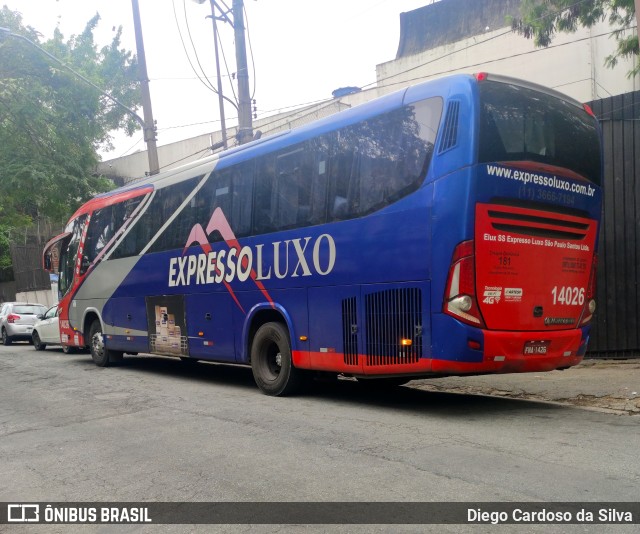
{"x":151,"y":146}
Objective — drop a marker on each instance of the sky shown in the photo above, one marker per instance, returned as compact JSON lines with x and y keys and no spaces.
{"x":299,"y":51}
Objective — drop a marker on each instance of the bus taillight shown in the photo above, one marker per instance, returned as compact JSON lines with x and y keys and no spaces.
{"x":460,"y":295}
{"x":590,"y":302}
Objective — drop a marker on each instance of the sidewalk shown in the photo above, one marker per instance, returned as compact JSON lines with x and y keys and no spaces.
{"x":606,"y":385}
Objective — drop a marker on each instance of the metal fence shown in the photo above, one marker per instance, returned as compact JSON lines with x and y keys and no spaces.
{"x":615,"y":333}
{"x":27,"y":270}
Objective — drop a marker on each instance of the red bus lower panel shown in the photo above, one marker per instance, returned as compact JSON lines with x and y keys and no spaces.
{"x":503,"y":352}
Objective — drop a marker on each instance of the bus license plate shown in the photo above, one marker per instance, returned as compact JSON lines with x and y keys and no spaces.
{"x":536,"y":347}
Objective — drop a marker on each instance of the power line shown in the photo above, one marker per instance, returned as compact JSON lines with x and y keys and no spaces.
{"x":207,"y":84}
{"x":253,"y":62}
{"x":193,"y":46}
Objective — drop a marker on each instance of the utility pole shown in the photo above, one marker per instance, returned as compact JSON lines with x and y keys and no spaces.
{"x":223,"y":124}
{"x":245,"y":123}
{"x":149,"y":126}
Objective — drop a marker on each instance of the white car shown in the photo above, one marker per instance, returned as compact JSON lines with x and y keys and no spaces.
{"x":46,"y":331}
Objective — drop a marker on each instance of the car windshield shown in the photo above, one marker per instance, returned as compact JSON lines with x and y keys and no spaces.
{"x":29,"y":309}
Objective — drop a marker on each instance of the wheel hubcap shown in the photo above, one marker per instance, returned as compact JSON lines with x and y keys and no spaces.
{"x":97,"y":344}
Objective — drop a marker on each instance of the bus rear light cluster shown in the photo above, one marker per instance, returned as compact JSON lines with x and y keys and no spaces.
{"x":590,"y":302}
{"x":460,"y":294}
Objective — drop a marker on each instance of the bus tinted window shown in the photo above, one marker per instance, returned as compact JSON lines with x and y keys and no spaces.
{"x":340,"y":175}
{"x":69,"y":253}
{"x":518,"y":124}
{"x":163,"y":205}
{"x":105,"y":223}
{"x":378,"y":161}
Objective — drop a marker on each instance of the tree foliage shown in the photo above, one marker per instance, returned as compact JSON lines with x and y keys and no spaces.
{"x":52,"y":122}
{"x":542,"y":19}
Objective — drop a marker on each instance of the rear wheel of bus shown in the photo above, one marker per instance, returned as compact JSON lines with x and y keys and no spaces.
{"x":101,"y":355}
{"x":271,"y":362}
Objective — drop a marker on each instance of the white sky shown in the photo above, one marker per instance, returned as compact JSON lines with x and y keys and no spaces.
{"x":302,"y":50}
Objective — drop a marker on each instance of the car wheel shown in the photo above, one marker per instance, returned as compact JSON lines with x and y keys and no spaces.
{"x":6,"y":338}
{"x":37,"y":344}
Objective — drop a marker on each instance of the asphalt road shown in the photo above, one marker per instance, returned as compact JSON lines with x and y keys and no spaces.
{"x":155,"y":429}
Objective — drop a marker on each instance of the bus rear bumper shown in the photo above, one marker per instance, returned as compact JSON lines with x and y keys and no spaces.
{"x":522,"y":352}
{"x":498,"y":352}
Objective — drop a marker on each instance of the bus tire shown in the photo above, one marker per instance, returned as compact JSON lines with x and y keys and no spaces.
{"x":271,"y":361}
{"x":101,"y":355}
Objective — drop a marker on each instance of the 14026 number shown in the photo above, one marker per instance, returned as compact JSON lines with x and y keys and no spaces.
{"x":568,"y":296}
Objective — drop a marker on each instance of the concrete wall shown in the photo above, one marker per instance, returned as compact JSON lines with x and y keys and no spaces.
{"x":574,"y":64}
{"x":47,"y":298}
{"x":449,"y":21}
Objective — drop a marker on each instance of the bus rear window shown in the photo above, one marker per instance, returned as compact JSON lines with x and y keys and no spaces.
{"x":521,"y":124}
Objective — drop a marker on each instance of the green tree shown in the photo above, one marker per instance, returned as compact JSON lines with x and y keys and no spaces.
{"x":52,"y":123}
{"x":542,"y":19}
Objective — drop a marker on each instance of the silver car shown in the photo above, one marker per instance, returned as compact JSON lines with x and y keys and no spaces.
{"x":17,"y":320}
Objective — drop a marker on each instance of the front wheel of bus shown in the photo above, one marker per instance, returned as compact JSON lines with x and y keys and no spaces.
{"x":271,"y":363}
{"x":101,"y":355}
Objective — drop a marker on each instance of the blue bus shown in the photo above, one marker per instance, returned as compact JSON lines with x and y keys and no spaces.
{"x":448,"y":228}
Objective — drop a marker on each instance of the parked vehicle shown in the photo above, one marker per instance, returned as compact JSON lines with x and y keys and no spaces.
{"x":17,"y":320}
{"x":46,"y":330}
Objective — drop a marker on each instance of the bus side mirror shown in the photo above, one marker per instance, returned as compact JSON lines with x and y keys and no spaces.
{"x":84,"y":265}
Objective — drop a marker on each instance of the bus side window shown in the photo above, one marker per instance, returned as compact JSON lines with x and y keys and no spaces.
{"x":162,"y":209}
{"x":264,"y":216}
{"x":292,"y":188}
{"x":242,"y":200}
{"x":319,"y":174}
{"x":101,"y":230}
{"x":69,"y":254}
{"x":343,"y":162}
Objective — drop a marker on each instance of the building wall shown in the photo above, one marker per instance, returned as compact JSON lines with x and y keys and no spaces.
{"x":574,"y":64}
{"x":449,"y":21}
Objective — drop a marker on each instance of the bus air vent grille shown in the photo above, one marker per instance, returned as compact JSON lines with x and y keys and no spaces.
{"x":350,"y":331}
{"x":449,"y":137}
{"x":392,"y":316}
{"x":549,"y":225}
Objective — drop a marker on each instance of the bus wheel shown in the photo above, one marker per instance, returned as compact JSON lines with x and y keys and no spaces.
{"x":101,"y":355}
{"x":37,"y":344}
{"x":271,"y":363}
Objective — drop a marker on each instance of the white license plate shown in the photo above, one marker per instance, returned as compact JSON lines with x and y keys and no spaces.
{"x":536,"y":347}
